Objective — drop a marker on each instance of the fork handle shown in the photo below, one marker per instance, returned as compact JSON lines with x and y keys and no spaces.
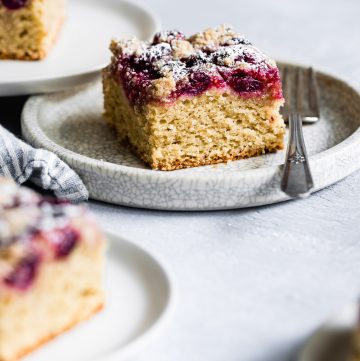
{"x":296,"y":180}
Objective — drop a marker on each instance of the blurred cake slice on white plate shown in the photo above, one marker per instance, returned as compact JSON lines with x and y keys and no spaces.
{"x":51,"y":269}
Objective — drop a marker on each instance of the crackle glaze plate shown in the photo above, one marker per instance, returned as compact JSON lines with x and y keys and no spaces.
{"x":70,"y":124}
{"x":333,"y":340}
{"x":89,"y":25}
{"x":139,"y":303}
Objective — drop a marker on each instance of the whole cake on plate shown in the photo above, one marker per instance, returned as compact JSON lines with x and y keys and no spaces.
{"x":183,"y":102}
{"x":51,"y":265}
{"x":28,"y":28}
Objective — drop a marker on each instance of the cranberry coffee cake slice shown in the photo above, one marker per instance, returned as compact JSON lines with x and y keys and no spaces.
{"x":184,"y":102}
{"x":28,"y":28}
{"x":51,"y":264}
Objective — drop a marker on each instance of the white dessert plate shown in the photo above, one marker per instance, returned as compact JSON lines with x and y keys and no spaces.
{"x":139,"y":302}
{"x":70,"y":124}
{"x":82,"y":48}
{"x":332,"y":341}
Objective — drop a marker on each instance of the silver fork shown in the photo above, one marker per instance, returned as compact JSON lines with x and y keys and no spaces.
{"x":301,"y":105}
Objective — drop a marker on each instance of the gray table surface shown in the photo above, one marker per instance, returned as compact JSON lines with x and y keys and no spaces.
{"x":254,"y":283}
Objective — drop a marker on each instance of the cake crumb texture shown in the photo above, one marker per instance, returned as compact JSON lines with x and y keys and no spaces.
{"x":28,"y":33}
{"x":64,"y":294}
{"x":207,"y":129}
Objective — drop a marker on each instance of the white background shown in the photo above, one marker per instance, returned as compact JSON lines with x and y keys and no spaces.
{"x":254,"y":283}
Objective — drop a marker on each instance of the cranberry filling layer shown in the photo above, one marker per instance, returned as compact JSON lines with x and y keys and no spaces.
{"x":189,"y":67}
{"x":14,"y":4}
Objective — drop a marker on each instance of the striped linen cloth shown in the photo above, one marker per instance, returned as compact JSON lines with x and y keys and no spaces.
{"x":21,"y":162}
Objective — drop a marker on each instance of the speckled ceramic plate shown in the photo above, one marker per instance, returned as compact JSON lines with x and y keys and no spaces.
{"x":70,"y":125}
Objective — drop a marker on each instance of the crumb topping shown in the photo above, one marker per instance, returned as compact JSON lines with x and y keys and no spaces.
{"x":212,"y":38}
{"x":182,"y":49}
{"x":163,"y":87}
{"x":173,"y":65}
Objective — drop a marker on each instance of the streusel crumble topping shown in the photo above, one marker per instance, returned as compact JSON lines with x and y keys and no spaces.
{"x":172,"y":66}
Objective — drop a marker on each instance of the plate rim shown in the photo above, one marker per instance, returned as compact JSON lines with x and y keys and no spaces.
{"x":348,"y":147}
{"x":78,"y":77}
{"x":145,"y":338}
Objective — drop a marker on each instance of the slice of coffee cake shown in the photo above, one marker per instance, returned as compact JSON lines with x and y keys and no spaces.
{"x":28,"y":28}
{"x":51,"y":264}
{"x":183,"y":102}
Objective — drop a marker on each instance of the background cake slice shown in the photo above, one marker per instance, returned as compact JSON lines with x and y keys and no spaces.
{"x":51,"y":265}
{"x":183,"y":102}
{"x":28,"y":28}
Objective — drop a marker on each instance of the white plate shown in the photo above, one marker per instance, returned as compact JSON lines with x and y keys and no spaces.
{"x":332,"y":342}
{"x":82,"y":48}
{"x":140,"y":297}
{"x":70,"y":125}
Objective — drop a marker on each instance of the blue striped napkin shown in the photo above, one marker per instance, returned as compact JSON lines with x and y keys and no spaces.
{"x":21,"y":162}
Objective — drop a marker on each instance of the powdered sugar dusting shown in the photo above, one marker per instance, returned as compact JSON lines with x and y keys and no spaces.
{"x":155,"y":52}
{"x":176,"y":68}
{"x":240,"y":56}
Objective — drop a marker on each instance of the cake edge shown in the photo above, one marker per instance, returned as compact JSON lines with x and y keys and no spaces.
{"x":26,"y":351}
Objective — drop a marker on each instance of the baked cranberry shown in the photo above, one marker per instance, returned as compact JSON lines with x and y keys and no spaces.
{"x":197,"y":59}
{"x":24,"y":273}
{"x":244,"y":83}
{"x":144,"y":70}
{"x":14,"y":4}
{"x":138,"y":64}
{"x":64,"y":240}
{"x":247,"y":58}
{"x":198,"y":83}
